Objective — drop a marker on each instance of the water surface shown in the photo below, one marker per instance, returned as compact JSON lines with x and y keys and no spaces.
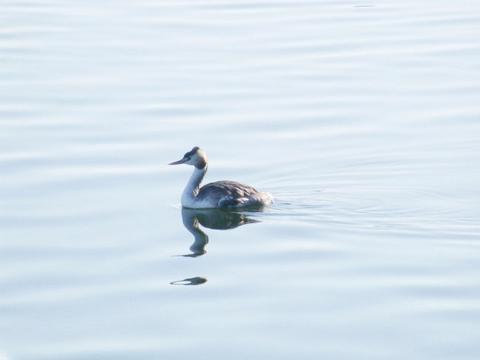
{"x":361,"y":118}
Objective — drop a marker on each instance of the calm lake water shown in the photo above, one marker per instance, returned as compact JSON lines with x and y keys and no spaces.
{"x":361,"y":118}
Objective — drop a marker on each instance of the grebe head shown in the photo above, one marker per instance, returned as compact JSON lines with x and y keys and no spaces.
{"x":195,"y":157}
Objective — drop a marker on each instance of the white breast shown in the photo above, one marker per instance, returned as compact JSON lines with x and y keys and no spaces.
{"x":193,"y":203}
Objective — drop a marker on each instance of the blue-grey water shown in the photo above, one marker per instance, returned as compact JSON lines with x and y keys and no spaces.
{"x":362,"y":118}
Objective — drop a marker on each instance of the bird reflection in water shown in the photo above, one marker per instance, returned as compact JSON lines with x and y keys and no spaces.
{"x":219,"y":219}
{"x":198,"y":280}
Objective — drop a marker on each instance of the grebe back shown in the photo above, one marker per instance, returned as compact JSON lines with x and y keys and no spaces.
{"x":218,"y":194}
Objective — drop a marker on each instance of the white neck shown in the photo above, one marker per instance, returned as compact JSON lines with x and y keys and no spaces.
{"x":193,"y":186}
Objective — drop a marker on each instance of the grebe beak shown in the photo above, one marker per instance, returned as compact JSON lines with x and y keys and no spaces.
{"x":179,"y":161}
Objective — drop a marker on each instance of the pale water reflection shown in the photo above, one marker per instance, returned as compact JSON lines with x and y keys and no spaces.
{"x":217,"y":219}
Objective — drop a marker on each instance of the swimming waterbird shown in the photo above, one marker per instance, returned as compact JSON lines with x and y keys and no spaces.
{"x":218,"y":194}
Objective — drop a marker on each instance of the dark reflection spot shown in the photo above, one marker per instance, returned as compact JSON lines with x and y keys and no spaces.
{"x":198,"y":280}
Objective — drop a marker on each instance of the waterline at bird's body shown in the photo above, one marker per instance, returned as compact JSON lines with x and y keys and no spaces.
{"x":219,"y":194}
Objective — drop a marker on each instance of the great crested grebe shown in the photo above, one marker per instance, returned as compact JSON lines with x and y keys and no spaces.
{"x":218,"y":194}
